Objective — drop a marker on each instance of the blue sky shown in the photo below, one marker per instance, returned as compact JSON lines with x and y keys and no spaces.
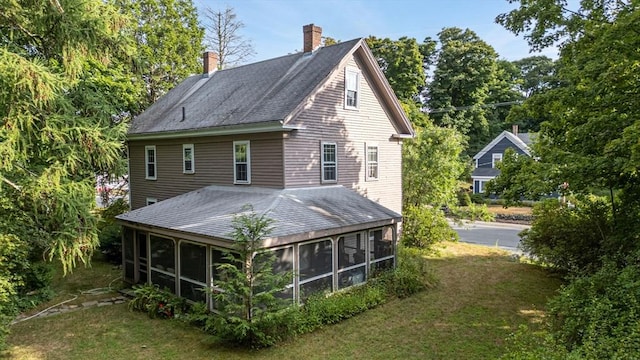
{"x":274,"y":27}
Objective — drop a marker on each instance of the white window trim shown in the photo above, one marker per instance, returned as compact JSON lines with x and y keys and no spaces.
{"x":146,"y":162}
{"x":322,"y":162}
{"x":356,"y":71}
{"x":151,"y":201}
{"x":184,"y":159}
{"x":366,"y":162}
{"x":495,"y":157}
{"x":235,"y":175}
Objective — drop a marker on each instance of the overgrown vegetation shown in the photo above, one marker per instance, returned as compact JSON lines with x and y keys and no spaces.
{"x":587,"y":147}
{"x":273,"y":325}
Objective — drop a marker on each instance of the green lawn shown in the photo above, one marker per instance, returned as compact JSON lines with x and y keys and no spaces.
{"x":481,"y":298}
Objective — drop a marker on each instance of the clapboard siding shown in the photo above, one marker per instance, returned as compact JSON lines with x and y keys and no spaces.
{"x":499,"y":148}
{"x":213,"y":159}
{"x":325,"y":119}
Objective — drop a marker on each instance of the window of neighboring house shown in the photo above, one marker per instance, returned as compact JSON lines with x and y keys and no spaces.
{"x":372,"y":162}
{"x":242,"y":162}
{"x":351,"y":88}
{"x":329,"y":162}
{"x":151,"y":201}
{"x":150,"y":161}
{"x":495,"y":158}
{"x":188,"y":161}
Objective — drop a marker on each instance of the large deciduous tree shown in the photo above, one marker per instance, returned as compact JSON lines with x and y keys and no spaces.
{"x":168,"y":43}
{"x":223,"y":37}
{"x":592,"y":116}
{"x":401,"y":61}
{"x":465,"y":65}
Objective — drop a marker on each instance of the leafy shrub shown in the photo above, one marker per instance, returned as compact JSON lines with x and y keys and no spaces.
{"x":473,"y":212}
{"x":478,"y":198}
{"x":23,"y":283}
{"x":598,"y":316}
{"x":411,"y":276}
{"x":422,"y":227}
{"x":594,"y":317}
{"x":574,"y":240}
{"x":157,"y":303}
{"x":464,"y":199}
{"x":263,"y":331}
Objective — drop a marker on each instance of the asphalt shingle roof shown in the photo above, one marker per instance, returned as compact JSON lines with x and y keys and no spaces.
{"x":307,"y":212}
{"x":485,"y":171}
{"x":265,"y":91}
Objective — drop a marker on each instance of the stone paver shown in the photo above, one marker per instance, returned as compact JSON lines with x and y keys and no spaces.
{"x":87,"y":304}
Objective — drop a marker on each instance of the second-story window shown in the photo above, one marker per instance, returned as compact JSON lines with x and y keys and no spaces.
{"x":150,"y":162}
{"x":329,"y":162}
{"x":188,"y":164}
{"x":351,"y":88}
{"x":372,"y":162}
{"x":495,"y":158}
{"x":241,"y":162}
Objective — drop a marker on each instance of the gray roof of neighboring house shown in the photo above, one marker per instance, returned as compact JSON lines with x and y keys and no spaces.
{"x":526,"y":138}
{"x":298,"y":214}
{"x":266,"y":91}
{"x":518,"y":141}
{"x":485,"y":171}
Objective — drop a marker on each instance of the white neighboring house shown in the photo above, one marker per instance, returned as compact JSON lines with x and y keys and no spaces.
{"x":487,"y":159}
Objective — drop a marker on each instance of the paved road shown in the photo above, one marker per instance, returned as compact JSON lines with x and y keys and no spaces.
{"x":490,"y":233}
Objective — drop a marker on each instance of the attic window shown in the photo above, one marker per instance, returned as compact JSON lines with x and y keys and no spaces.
{"x":495,"y":158}
{"x":351,"y":88}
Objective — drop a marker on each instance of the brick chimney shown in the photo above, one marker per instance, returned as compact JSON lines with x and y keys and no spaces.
{"x":514,"y":129}
{"x":210,"y":62}
{"x":312,"y":37}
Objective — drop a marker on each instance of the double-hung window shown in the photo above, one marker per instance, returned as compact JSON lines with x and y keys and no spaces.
{"x":150,"y":162}
{"x":241,"y":162}
{"x":188,"y":163}
{"x":372,"y":162}
{"x":351,"y":88}
{"x":329,"y":162}
{"x":495,"y":158}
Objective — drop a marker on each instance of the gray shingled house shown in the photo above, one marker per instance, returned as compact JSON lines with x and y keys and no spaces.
{"x":312,"y":140}
{"x":487,"y":158}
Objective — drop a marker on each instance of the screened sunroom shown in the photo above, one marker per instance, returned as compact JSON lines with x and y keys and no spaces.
{"x":329,"y":238}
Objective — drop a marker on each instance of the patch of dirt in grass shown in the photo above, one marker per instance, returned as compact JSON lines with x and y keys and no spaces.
{"x":513,"y":210}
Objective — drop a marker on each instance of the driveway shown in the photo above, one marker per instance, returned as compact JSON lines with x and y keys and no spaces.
{"x":500,"y":235}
